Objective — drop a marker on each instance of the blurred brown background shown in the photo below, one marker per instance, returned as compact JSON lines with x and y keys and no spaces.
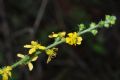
{"x":98,"y":58}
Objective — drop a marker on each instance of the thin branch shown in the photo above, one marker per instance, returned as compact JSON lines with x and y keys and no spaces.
{"x":21,"y":32}
{"x":6,"y":32}
{"x":36,"y":24}
{"x":59,"y":15}
{"x":40,"y":15}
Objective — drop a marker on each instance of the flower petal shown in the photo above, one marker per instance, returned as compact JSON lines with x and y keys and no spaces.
{"x":62,"y":34}
{"x":49,"y":59}
{"x":20,"y":55}
{"x":70,"y":34}
{"x":34,"y":42}
{"x":42,"y":47}
{"x":35,"y":58}
{"x":53,"y":35}
{"x":30,"y":66}
{"x":5,"y":77}
{"x":79,"y":39}
{"x":9,"y":73}
{"x":27,"y":46}
{"x":32,"y":50}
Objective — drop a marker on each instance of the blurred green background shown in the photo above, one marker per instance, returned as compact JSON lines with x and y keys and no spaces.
{"x":97,"y":58}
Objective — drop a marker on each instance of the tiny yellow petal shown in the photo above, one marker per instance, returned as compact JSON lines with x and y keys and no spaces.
{"x":35,"y":58}
{"x":27,"y":46}
{"x":34,"y":42}
{"x":50,"y":36}
{"x":5,"y":77}
{"x":48,"y":60}
{"x":42,"y":47}
{"x":30,"y":66}
{"x":20,"y":55}
{"x":62,"y":33}
{"x":9,"y":74}
{"x":53,"y":35}
{"x":8,"y":68}
{"x":32,"y":50}
{"x":67,"y":40}
{"x":70,"y":34}
{"x":49,"y":51}
{"x":79,"y":39}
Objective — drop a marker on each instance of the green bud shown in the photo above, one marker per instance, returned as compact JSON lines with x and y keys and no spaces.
{"x":113,"y":19}
{"x":94,"y":32}
{"x":81,"y":27}
{"x":92,"y":25}
{"x":112,"y":22}
{"x":109,"y":20}
{"x":107,"y":17}
{"x":106,"y":25}
{"x":101,"y":23}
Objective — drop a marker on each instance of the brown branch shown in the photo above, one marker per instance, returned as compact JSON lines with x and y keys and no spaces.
{"x":36,"y":24}
{"x":58,"y":14}
{"x":22,"y":32}
{"x":40,"y":15}
{"x":6,"y":32}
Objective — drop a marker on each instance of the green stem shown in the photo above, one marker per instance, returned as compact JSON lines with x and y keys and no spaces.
{"x":27,"y":58}
{"x":55,"y":44}
{"x":88,"y":30}
{"x":20,"y":62}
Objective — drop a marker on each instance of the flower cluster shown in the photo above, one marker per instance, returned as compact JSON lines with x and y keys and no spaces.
{"x":51,"y":53}
{"x":30,"y":65}
{"x":55,"y":35}
{"x":71,"y":39}
{"x":6,"y":72}
{"x":34,"y":46}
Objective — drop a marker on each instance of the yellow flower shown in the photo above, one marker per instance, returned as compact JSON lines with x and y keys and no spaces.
{"x":51,"y":53}
{"x":73,"y":39}
{"x":30,"y":65}
{"x":6,"y":72}
{"x":34,"y":46}
{"x":54,"y":35}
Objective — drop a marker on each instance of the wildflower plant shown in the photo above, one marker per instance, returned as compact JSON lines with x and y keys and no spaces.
{"x":72,"y":38}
